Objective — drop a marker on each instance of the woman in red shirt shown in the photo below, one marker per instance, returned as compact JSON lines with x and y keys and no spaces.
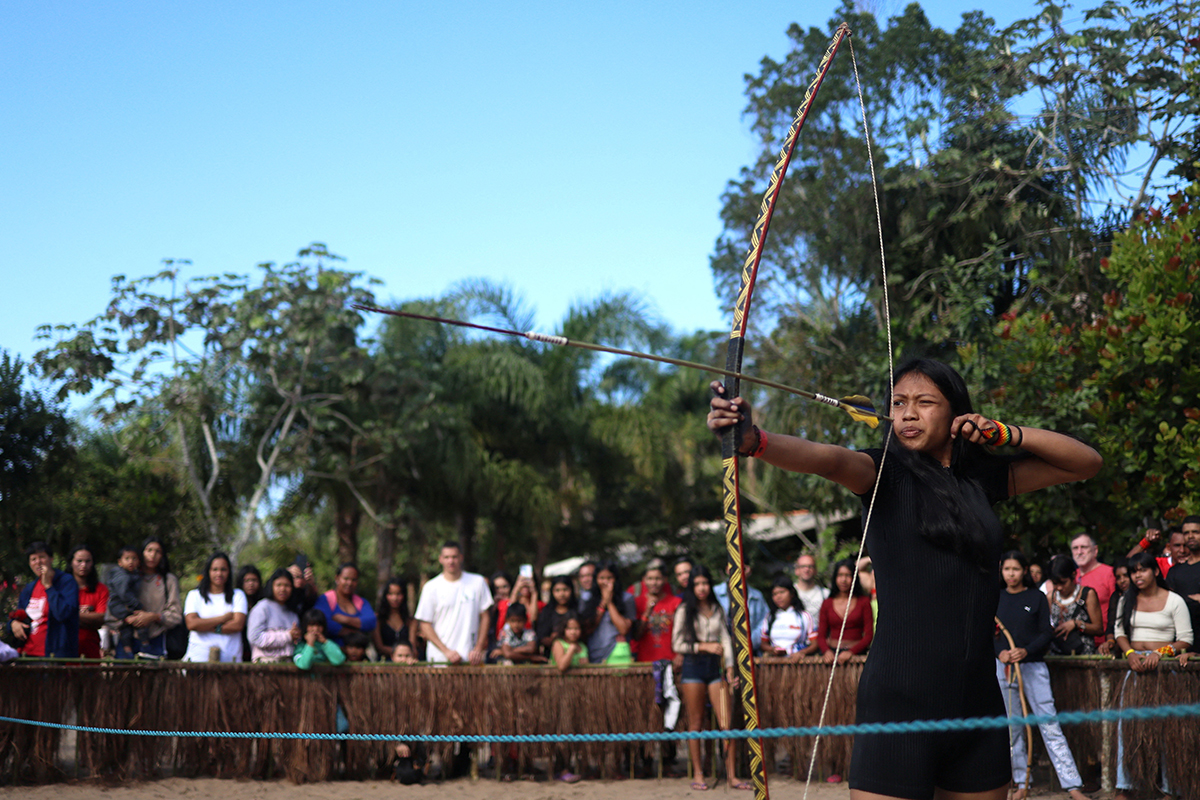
{"x":849,"y":601}
{"x":93,"y":600}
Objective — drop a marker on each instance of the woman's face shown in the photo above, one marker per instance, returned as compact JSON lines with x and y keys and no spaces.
{"x":922,"y":416}
{"x":500,"y":589}
{"x":844,"y":579}
{"x":251,"y":583}
{"x":1143,"y":578}
{"x":606,"y":580}
{"x":395,"y":595}
{"x":572,"y":632}
{"x":701,"y":587}
{"x":152,"y":557}
{"x":781,"y":597}
{"x":1012,"y":572}
{"x":1121,"y":576}
{"x":1035,"y":573}
{"x":218,"y":574}
{"x":347,"y":582}
{"x":561,"y":593}
{"x":653,"y":581}
{"x":81,"y":564}
{"x":281,"y":589}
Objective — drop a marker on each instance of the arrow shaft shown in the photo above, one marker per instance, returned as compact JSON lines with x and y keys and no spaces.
{"x":618,"y":351}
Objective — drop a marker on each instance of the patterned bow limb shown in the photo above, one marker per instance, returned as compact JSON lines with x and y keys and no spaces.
{"x":740,"y":618}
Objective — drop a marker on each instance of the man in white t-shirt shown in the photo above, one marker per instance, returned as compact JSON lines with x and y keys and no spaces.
{"x":812,"y":594}
{"x":453,"y":611}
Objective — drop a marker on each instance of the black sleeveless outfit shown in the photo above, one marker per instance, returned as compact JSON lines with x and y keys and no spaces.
{"x":932,"y":657}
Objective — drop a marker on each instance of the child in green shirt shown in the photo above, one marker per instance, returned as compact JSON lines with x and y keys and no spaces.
{"x":316,"y":649}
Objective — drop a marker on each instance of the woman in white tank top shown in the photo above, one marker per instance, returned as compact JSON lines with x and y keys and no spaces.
{"x":1152,"y":624}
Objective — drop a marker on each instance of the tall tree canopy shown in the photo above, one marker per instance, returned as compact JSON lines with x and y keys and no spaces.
{"x":1006,"y":159}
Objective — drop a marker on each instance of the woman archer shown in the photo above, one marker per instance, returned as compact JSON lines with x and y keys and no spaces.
{"x":932,"y":516}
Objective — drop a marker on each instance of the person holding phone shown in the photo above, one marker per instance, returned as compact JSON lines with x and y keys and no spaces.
{"x":304,"y":586}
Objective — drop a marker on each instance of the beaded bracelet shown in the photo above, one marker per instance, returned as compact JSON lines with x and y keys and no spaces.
{"x":1003,"y":434}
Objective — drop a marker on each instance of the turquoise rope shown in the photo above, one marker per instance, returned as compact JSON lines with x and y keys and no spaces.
{"x":915,"y":726}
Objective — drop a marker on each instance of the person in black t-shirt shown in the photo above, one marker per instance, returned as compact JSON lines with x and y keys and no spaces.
{"x":931,"y":516}
{"x":1025,"y":614}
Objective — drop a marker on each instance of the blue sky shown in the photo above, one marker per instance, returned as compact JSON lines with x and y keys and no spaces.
{"x":568,"y":149}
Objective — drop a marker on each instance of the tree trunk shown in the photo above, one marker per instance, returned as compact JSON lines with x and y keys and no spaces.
{"x":542,"y":556}
{"x":464,"y":523}
{"x":348,"y":516}
{"x":385,"y":552}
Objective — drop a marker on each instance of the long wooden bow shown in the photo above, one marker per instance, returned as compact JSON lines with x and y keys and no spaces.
{"x":1012,"y":645}
{"x":743,"y":635}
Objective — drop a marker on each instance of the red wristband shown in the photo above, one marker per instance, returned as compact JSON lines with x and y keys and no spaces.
{"x":762,"y":445}
{"x":1144,"y":543}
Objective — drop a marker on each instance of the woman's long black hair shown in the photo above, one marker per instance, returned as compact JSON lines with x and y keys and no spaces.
{"x":589,"y":607}
{"x":856,"y":587}
{"x":1136,"y":562}
{"x":691,"y":604}
{"x":268,"y":590}
{"x":1019,"y":557}
{"x":500,"y":574}
{"x":1062,"y":568}
{"x":205,"y":583}
{"x":942,"y":516}
{"x":573,"y":602}
{"x":164,"y":566}
{"x":243,"y":571}
{"x":795,"y":603}
{"x":382,"y":609}
{"x":90,"y":579}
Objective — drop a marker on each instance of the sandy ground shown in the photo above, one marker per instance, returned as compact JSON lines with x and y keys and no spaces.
{"x":213,"y":789}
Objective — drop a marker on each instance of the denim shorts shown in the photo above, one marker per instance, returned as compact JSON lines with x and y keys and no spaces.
{"x":701,"y":668}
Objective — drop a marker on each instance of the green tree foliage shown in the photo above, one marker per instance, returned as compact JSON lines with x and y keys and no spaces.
{"x":111,"y":494}
{"x":34,"y":450}
{"x":1128,"y":376}
{"x":986,"y":208}
{"x":239,"y":373}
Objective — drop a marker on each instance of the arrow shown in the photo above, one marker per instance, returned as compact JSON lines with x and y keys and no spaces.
{"x":859,"y":407}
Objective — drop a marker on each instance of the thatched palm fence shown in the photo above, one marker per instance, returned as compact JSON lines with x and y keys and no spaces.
{"x":389,"y":699}
{"x":1084,"y":683}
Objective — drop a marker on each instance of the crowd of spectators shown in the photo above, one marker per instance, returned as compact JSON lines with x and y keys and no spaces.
{"x":1144,"y":608}
{"x":591,"y":617}
{"x":136,"y":611}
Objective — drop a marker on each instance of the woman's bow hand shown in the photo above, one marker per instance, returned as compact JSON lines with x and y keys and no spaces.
{"x":723,"y":412}
{"x":972,"y":427}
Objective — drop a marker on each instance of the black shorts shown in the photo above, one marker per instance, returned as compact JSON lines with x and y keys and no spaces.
{"x":911,"y":765}
{"x":701,"y":668}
